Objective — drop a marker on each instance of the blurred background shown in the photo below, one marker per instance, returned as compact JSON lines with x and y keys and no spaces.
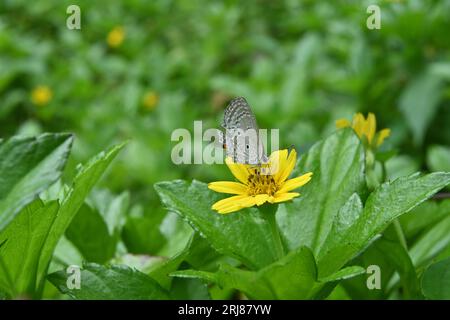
{"x":138,"y":70}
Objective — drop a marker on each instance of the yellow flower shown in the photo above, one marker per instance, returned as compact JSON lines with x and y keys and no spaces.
{"x":116,"y":37}
{"x":267,"y":183}
{"x":41,"y":95}
{"x":150,"y":100}
{"x":365,"y":127}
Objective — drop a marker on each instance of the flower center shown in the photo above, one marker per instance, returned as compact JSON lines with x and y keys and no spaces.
{"x":258,"y":183}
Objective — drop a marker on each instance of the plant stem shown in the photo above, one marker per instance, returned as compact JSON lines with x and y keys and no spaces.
{"x":383,"y":171}
{"x":400,"y":234}
{"x":397,"y":225}
{"x":269,"y":212}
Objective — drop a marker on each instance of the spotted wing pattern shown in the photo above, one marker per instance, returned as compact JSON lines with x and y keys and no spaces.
{"x":241,"y":136}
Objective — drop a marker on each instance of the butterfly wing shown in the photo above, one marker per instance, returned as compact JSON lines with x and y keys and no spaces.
{"x":241,"y":136}
{"x":238,"y":115}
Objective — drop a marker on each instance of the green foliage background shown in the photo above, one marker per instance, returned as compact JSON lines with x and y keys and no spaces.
{"x":300,"y":64}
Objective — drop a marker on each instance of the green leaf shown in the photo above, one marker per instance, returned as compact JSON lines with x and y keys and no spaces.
{"x":431,"y":243}
{"x":89,"y":233}
{"x":293,"y":87}
{"x":357,"y":287}
{"x":400,"y":166}
{"x":65,"y":254}
{"x":398,"y":257}
{"x":23,"y":241}
{"x":28,"y":165}
{"x":142,"y":235}
{"x":109,"y":283}
{"x":346,"y":217}
{"x":143,"y":263}
{"x":387,"y":202}
{"x":197,"y":274}
{"x":345,"y":273}
{"x":245,"y":235}
{"x":111,"y":207}
{"x":338,"y":293}
{"x":162,"y":271}
{"x":177,"y":233}
{"x":189,"y":289}
{"x":83,"y":183}
{"x":338,"y":167}
{"x":443,"y":254}
{"x":292,"y":277}
{"x":31,"y":237}
{"x":393,"y":260}
{"x":424,"y":216}
{"x":436,"y":281}
{"x":419,"y":102}
{"x":203,"y":257}
{"x":438,"y":158}
{"x":384,"y":156}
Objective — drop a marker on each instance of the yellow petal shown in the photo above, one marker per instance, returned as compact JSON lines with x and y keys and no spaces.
{"x":261,"y":198}
{"x":228,"y":187}
{"x":238,"y":204}
{"x":277,"y":161}
{"x":383,"y":134}
{"x":229,"y":204}
{"x":295,"y":183}
{"x":285,"y":196}
{"x":229,"y":209}
{"x":358,"y":124}
{"x":240,"y":171}
{"x":342,"y":123}
{"x":288,"y":167}
{"x":234,"y":200}
{"x":371,"y":127}
{"x":281,"y":164}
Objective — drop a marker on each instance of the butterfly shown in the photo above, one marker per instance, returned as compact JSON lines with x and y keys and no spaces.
{"x":241,"y":138}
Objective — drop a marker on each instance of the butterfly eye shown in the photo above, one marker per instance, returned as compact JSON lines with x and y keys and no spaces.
{"x":247,"y":146}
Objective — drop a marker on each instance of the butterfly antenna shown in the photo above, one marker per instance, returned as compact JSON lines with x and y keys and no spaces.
{"x":291,"y":147}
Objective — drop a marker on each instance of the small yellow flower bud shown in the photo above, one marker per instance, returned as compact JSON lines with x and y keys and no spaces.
{"x":366,"y":129}
{"x":116,"y":37}
{"x":150,"y":100}
{"x":41,"y":95}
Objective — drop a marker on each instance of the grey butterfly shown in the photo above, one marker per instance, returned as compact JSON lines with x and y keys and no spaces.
{"x":241,"y":139}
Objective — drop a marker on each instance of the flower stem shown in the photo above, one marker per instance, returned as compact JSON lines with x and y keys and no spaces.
{"x":397,"y":226}
{"x":269,"y":213}
{"x":400,"y":234}
{"x":383,"y":172}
